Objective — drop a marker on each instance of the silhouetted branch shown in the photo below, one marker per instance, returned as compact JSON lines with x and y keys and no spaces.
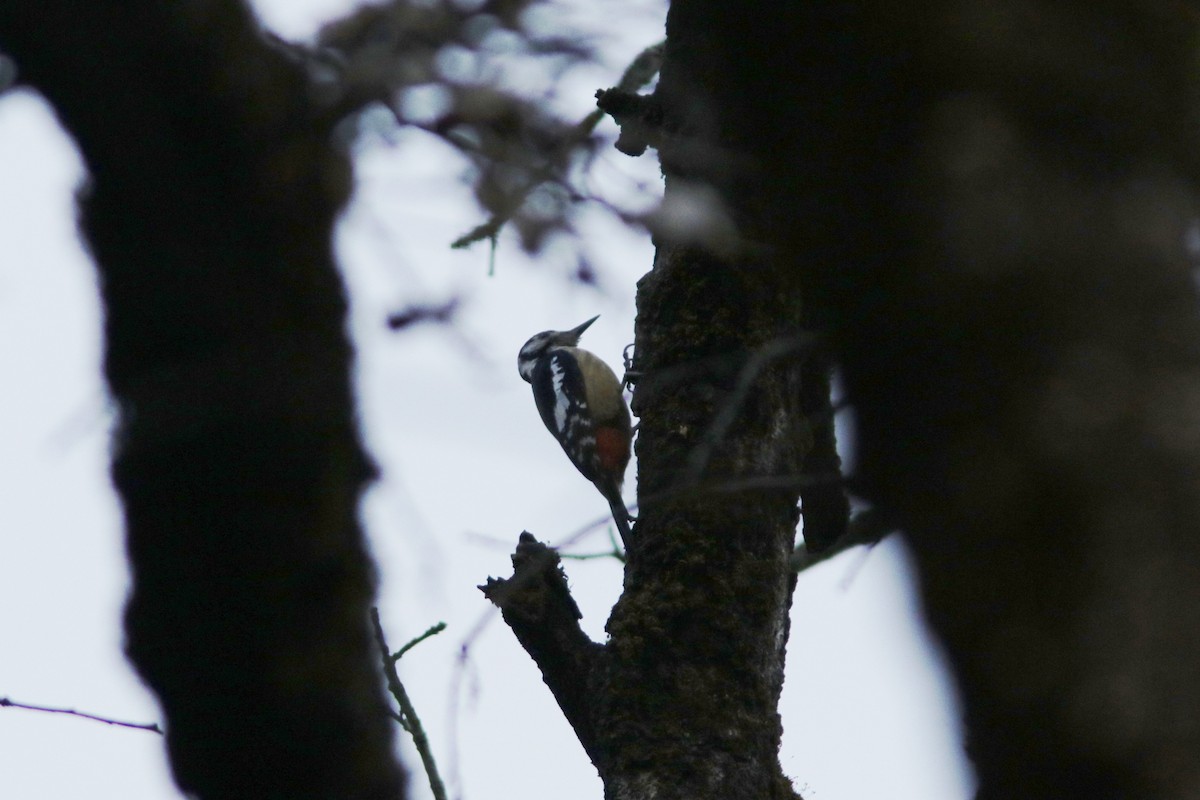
{"x":416,"y":314}
{"x":638,"y":116}
{"x":407,"y":717}
{"x":537,"y":605}
{"x":434,"y":630}
{"x":865,"y":528}
{"x":141,"y":726}
{"x":615,"y":550}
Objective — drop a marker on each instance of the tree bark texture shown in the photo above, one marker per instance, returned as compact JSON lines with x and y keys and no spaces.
{"x":682,"y":701}
{"x":209,"y":209}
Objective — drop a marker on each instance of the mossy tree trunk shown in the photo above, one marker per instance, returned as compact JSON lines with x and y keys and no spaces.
{"x":682,"y":701}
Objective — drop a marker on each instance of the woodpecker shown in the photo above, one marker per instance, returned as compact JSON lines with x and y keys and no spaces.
{"x":579,"y":398}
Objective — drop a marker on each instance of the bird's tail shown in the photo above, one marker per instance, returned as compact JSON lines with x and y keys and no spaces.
{"x":620,"y":513}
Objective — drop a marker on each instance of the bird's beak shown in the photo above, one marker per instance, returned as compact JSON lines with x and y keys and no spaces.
{"x":578,"y":330}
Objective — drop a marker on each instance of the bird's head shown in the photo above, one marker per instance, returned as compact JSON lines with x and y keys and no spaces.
{"x":541,"y":343}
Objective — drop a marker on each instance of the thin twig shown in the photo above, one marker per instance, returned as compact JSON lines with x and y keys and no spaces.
{"x":441,"y":313}
{"x":433,"y":631}
{"x":141,"y":726}
{"x":865,"y":528}
{"x":408,"y":718}
{"x":617,"y":554}
{"x":615,"y":550}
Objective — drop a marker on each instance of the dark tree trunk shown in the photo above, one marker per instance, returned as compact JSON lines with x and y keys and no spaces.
{"x":682,"y":700}
{"x":1021,"y":344}
{"x":985,"y":205}
{"x":1028,"y":388}
{"x":212,"y":194}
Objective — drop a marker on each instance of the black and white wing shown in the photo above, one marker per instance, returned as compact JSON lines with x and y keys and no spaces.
{"x":561,"y":398}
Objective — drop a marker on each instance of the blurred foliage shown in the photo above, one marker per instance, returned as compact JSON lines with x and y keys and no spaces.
{"x":479,"y":77}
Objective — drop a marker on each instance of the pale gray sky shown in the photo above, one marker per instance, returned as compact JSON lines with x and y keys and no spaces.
{"x":466,"y":466}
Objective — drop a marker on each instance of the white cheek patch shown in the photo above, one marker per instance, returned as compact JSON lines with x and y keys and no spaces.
{"x":528,"y":357}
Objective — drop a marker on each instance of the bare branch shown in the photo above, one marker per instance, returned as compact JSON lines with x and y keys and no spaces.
{"x":865,"y":528}
{"x":416,"y":314}
{"x":141,"y":726}
{"x":538,"y":607}
{"x":434,"y":630}
{"x":408,"y":718}
{"x":614,"y":550}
